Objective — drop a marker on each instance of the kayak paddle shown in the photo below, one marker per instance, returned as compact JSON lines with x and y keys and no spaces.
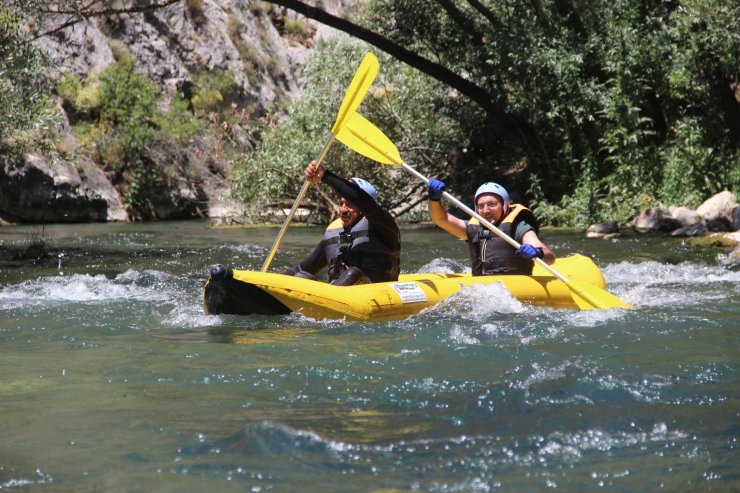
{"x":361,"y":82}
{"x":360,"y":135}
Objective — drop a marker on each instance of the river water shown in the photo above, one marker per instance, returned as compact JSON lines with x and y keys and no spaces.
{"x":113,"y":379}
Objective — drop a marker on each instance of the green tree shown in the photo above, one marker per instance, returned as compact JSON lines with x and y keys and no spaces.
{"x":401,"y":102}
{"x":599,"y":107}
{"x":27,"y":114}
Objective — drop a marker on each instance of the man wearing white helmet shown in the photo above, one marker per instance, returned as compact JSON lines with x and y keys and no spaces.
{"x":363,"y":245}
{"x":489,"y":253}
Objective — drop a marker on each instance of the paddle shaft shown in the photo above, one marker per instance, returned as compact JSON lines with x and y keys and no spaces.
{"x":293,"y":209}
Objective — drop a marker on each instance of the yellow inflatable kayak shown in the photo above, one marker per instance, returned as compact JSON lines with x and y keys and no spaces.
{"x":243,"y":292}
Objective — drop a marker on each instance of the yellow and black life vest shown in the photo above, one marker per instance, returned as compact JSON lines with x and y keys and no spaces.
{"x":357,"y":247}
{"x":490,"y":254}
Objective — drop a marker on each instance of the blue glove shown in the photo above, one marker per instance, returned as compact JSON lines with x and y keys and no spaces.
{"x":530,"y":252}
{"x":436,"y":187}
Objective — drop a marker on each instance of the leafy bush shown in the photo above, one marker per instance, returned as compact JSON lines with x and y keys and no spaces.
{"x":295,"y":27}
{"x":27,"y":117}
{"x":213,"y":92}
{"x":402,"y":103}
{"x":116,"y":115}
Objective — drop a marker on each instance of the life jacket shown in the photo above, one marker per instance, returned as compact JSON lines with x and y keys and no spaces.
{"x":490,"y":254}
{"x":356,"y":247}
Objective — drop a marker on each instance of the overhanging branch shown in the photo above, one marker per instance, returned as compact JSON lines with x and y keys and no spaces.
{"x":465,"y":87}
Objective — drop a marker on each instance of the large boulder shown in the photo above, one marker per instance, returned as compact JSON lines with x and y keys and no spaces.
{"x":35,"y":190}
{"x":718,"y":205}
{"x":655,"y":220}
{"x":607,"y":230}
{"x":719,"y":213}
{"x":691,"y":223}
{"x":685,"y":216}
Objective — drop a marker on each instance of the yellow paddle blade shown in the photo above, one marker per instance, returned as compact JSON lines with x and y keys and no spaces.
{"x":361,"y":82}
{"x":365,"y":138}
{"x":590,"y":297}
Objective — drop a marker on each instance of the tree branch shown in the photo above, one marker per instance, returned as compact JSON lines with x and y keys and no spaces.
{"x":92,"y":10}
{"x":467,"y":26}
{"x":486,"y":12}
{"x":464,"y":86}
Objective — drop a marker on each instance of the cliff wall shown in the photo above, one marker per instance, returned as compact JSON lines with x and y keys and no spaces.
{"x":251,"y":41}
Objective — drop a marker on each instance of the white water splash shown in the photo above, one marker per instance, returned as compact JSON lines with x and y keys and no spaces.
{"x":190,"y":316}
{"x":481,"y":302}
{"x":652,"y":284}
{"x":444,"y":266}
{"x":654,"y":273}
{"x":130,"y":285}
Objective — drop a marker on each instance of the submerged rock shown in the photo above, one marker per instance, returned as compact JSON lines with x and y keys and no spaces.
{"x":693,"y":230}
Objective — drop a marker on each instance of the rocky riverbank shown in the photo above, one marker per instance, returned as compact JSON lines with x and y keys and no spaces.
{"x":261,"y":47}
{"x":715,"y":223}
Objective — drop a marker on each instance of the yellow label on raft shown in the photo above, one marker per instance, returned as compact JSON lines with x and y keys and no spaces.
{"x":409,"y":292}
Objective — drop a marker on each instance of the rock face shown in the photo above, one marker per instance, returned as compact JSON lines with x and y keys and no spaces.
{"x":37,"y":191}
{"x":170,"y":44}
{"x":248,"y":40}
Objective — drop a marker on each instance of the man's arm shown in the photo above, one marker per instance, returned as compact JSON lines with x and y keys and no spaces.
{"x":453,"y":225}
{"x":311,"y":264}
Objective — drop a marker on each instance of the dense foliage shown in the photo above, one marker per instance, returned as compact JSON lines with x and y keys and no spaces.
{"x":27,"y":115}
{"x":117,"y":118}
{"x":589,"y":111}
{"x":608,"y":107}
{"x":400,"y":103}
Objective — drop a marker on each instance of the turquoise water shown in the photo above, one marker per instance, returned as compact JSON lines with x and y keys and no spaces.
{"x":112,"y":379}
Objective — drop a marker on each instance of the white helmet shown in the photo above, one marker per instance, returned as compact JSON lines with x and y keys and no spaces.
{"x":367,"y":187}
{"x":494,"y":188}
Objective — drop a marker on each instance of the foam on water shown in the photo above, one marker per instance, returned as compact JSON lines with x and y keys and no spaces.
{"x":445,"y":266}
{"x":652,"y":284}
{"x":129,"y":285}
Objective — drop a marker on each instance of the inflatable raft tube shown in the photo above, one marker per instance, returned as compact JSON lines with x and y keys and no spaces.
{"x":243,"y":292}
